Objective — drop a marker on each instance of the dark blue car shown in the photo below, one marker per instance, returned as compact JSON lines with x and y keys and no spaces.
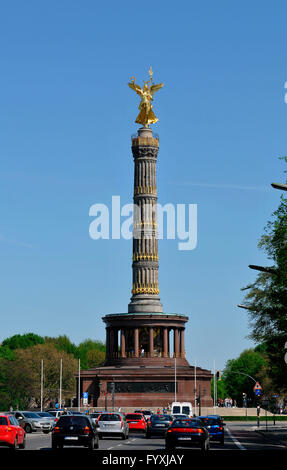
{"x":214,"y":426}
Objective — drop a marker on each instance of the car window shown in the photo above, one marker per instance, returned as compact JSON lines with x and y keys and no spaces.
{"x":110,"y":417}
{"x":31,"y":415}
{"x":185,"y":423}
{"x":73,"y":421}
{"x":160,"y":418}
{"x":3,"y":421}
{"x":211,"y":421}
{"x":176,"y":409}
{"x":134,"y":417}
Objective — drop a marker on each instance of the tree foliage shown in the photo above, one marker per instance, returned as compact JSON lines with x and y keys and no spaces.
{"x":267,"y":297}
{"x":20,"y":367}
{"x":22,"y":341}
{"x":251,"y":363}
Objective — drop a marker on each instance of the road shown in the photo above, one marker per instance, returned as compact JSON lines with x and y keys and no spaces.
{"x":238,"y":436}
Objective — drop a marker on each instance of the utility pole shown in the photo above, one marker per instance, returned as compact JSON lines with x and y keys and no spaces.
{"x":195,"y":388}
{"x":175,"y":379}
{"x":61,"y":371}
{"x":42,"y":369}
{"x":214,"y":386}
{"x":79,"y":386}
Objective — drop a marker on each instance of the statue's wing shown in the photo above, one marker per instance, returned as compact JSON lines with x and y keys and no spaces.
{"x":155,"y":88}
{"x":135,"y":87}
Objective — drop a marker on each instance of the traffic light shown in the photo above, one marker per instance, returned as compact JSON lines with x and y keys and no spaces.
{"x":218,"y":375}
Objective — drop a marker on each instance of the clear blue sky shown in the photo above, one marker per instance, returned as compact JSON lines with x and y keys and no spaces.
{"x":66,"y":119}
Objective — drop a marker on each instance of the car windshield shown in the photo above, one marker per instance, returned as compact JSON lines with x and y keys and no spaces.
{"x":110,"y":417}
{"x":73,"y":421}
{"x":3,"y":421}
{"x":134,"y":417}
{"x":211,"y":421}
{"x":45,"y":415}
{"x":185,"y":423}
{"x":160,"y":418}
{"x":31,"y":415}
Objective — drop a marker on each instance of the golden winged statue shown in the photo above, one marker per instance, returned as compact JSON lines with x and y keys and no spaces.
{"x":146,"y":115}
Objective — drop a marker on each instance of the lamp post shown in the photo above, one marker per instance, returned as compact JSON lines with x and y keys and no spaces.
{"x":281,"y":186}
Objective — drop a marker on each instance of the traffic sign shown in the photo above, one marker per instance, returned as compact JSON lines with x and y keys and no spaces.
{"x":85,"y":398}
{"x":257,"y":386}
{"x":257,"y":392}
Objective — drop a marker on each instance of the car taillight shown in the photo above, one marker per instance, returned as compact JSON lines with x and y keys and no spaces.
{"x":56,"y":429}
{"x":189,"y":430}
{"x":56,"y":419}
{"x":87,"y":430}
{"x":122,"y":424}
{"x":221,"y":428}
{"x":149,"y":422}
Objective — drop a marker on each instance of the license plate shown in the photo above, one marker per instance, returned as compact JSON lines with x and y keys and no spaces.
{"x":71,"y":438}
{"x":184,"y":438}
{"x":160,"y":425}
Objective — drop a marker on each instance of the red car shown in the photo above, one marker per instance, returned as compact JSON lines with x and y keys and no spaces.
{"x":11,"y":434}
{"x":136,"y":422}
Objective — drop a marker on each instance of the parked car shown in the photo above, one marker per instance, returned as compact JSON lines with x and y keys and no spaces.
{"x":187,"y":433}
{"x":214,"y":426}
{"x":11,"y":434}
{"x":112,"y":424}
{"x":136,"y":422}
{"x":158,"y":425}
{"x":75,"y":431}
{"x":31,"y":421}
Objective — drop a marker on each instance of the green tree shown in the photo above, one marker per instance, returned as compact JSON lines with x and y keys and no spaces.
{"x":250,"y":362}
{"x":85,"y":348}
{"x":22,"y":341}
{"x":267,"y":297}
{"x":23,"y":375}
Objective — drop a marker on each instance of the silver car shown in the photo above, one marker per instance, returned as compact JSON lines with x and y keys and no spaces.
{"x":112,"y":424}
{"x":31,"y":421}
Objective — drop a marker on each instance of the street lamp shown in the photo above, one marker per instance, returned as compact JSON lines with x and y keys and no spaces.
{"x":243,"y":306}
{"x":281,"y":186}
{"x":263,"y":269}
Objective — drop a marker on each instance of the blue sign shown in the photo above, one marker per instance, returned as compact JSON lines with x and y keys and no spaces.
{"x":257,"y":392}
{"x":85,"y":394}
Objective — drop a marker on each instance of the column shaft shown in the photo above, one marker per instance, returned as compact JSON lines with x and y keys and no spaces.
{"x":151,"y":346}
{"x":165,"y":342}
{"x":123,"y":343}
{"x":136,"y":342}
